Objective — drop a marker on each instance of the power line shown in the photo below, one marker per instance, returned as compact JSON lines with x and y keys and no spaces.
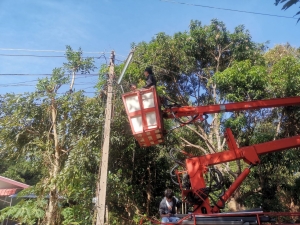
{"x":47,"y":56}
{"x":120,"y":60}
{"x":121,"y":55}
{"x":88,"y":92}
{"x":50,"y":56}
{"x":22,"y":82}
{"x":226,"y":9}
{"x":42,"y":74}
{"x":30,"y":81}
{"x":32,"y":85}
{"x":63,"y":51}
{"x":37,"y":50}
{"x":63,"y":93}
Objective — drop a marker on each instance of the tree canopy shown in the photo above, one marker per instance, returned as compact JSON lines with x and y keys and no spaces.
{"x":209,"y":65}
{"x":55,"y":138}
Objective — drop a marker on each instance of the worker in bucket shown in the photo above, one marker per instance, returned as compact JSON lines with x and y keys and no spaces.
{"x":167,"y":207}
{"x":150,"y":79}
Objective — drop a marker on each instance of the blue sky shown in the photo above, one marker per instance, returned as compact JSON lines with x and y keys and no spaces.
{"x":103,"y":25}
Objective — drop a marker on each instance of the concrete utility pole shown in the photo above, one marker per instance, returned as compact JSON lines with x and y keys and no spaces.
{"x":101,"y":185}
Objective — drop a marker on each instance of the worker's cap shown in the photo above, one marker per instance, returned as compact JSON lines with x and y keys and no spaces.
{"x":149,"y":70}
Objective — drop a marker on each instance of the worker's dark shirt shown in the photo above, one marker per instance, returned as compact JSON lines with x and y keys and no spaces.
{"x":163,"y":207}
{"x":150,"y":81}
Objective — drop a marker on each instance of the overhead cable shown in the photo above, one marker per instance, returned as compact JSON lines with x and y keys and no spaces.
{"x":37,"y":50}
{"x":42,"y":74}
{"x":47,"y":56}
{"x":227,"y":9}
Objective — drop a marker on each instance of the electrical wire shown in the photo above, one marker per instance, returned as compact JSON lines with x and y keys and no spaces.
{"x":46,"y":56}
{"x":88,"y":92}
{"x":31,"y":85}
{"x":121,"y":55}
{"x":57,"y":51}
{"x":88,"y":82}
{"x":227,"y":9}
{"x":37,"y":50}
{"x":30,"y":82}
{"x":42,"y":74}
{"x":22,"y":82}
{"x":120,"y":60}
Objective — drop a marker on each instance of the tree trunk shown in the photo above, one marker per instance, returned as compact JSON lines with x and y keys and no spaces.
{"x":233,"y":205}
{"x":149,"y":192}
{"x":52,"y":214}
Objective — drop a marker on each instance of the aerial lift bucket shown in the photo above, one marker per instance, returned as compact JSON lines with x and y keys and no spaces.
{"x":145,"y":116}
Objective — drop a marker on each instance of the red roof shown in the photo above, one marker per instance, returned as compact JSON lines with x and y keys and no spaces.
{"x":7,"y":192}
{"x":13,"y":182}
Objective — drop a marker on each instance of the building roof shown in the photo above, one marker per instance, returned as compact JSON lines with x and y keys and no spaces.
{"x":8,"y":192}
{"x":6,"y":183}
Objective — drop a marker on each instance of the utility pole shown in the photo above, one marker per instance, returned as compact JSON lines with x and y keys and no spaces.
{"x":101,"y":185}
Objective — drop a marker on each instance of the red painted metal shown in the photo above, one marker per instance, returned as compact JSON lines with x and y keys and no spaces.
{"x":198,"y":166}
{"x":231,"y":190}
{"x":258,"y":215}
{"x":249,"y":154}
{"x":152,"y":135}
{"x":138,"y":110}
{"x":230,"y":107}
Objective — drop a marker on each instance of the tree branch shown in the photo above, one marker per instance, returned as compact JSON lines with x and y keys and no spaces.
{"x":209,"y":145}
{"x":279,"y":125}
{"x":188,"y":144}
{"x":229,"y":170}
{"x":32,"y":131}
{"x":223,"y":144}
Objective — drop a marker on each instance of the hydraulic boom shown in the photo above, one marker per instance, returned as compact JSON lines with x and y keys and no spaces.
{"x":145,"y":115}
{"x":197,"y":167}
{"x":229,"y":107}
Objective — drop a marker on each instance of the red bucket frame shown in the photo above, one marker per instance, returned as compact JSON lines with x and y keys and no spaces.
{"x":145,"y":116}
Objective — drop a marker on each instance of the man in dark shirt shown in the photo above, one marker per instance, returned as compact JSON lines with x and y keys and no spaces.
{"x":150,"y":79}
{"x":167,"y":207}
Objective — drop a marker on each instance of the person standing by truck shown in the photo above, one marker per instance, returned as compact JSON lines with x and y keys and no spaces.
{"x":168,"y":206}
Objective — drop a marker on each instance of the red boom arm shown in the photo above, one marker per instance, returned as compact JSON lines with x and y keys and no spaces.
{"x":198,"y":166}
{"x":230,"y":107}
{"x":145,"y":117}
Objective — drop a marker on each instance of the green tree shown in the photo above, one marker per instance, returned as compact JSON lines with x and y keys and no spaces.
{"x":287,"y":4}
{"x":211,"y":65}
{"x":55,"y":136}
{"x":277,"y":77}
{"x":136,"y":182}
{"x":58,"y":135}
{"x":185,"y":65}
{"x":76,"y":63}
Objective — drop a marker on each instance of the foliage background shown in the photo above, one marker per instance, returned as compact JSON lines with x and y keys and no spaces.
{"x":208,"y":64}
